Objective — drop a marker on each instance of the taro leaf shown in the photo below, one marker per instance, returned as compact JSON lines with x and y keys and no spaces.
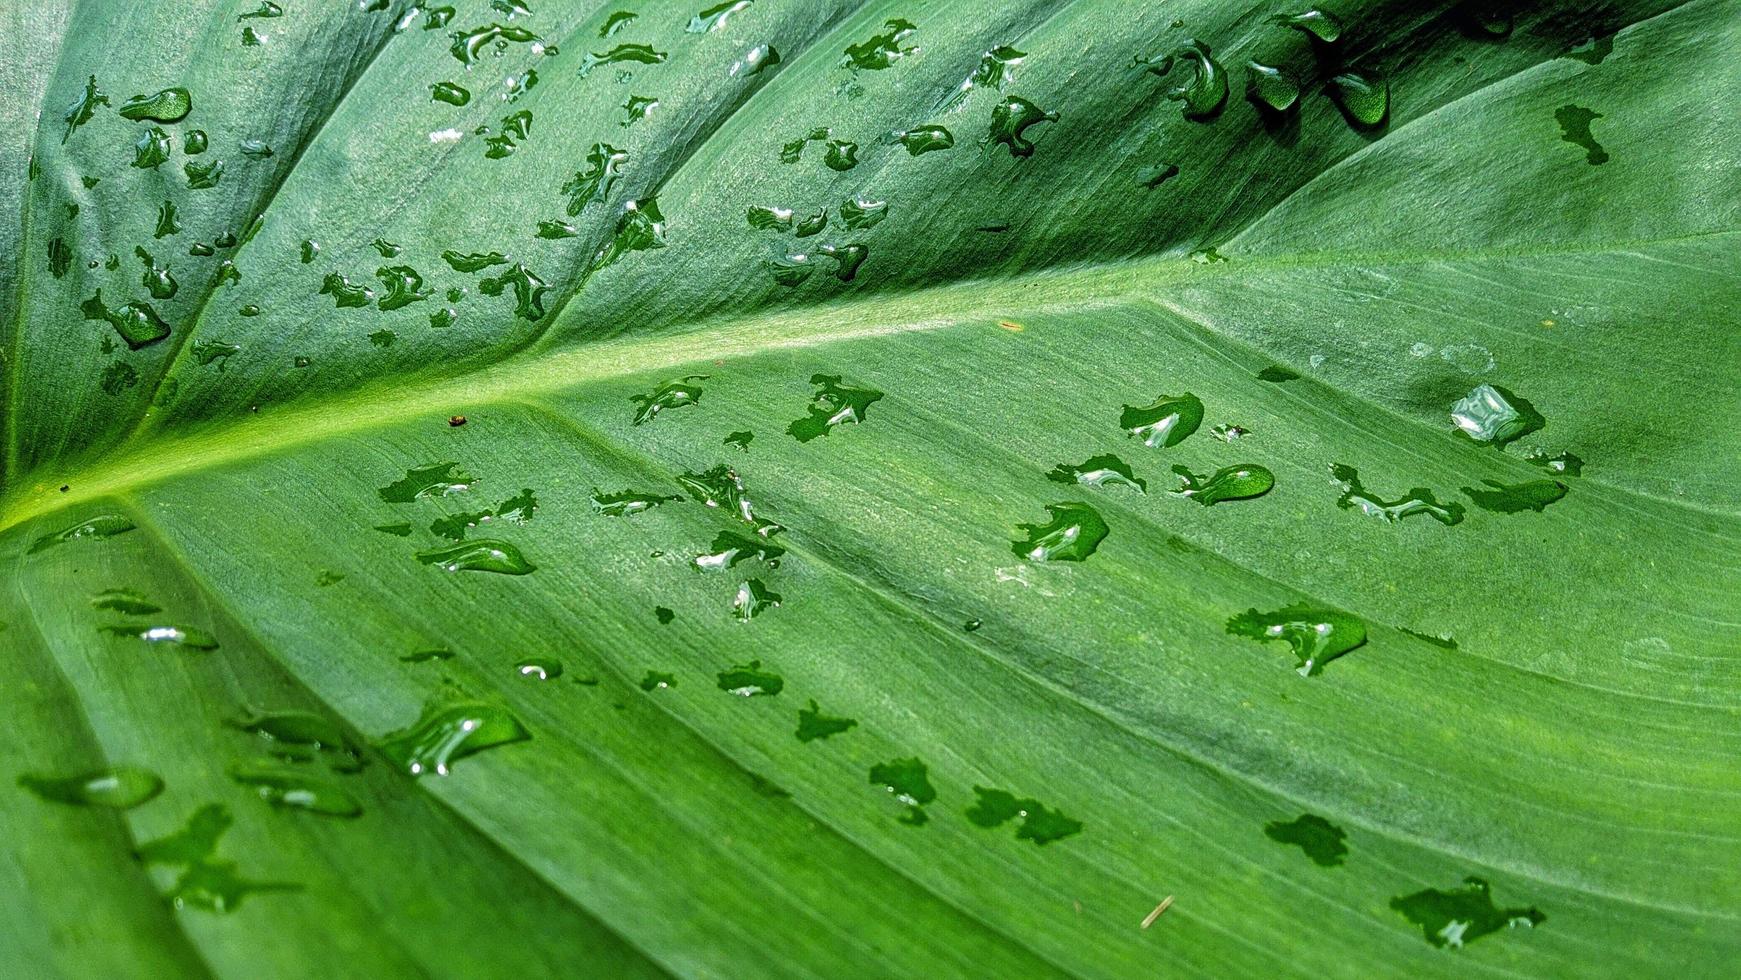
{"x":1567,"y":737}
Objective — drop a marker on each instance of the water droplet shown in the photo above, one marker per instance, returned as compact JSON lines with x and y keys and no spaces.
{"x":1228,"y":432}
{"x":1072,"y":533}
{"x":425,"y":656}
{"x":840,"y":155}
{"x":740,"y":439}
{"x":151,"y":150}
{"x":640,"y":227}
{"x":82,"y":108}
{"x":1316,"y":634}
{"x":1462,"y":915}
{"x":1040,"y":824}
{"x":468,"y":46}
{"x":195,"y":142}
{"x":881,"y":50}
{"x":207,"y":352}
{"x":157,"y":279}
{"x":616,"y":22}
{"x":206,"y":882}
{"x":858,"y":213}
{"x":1594,"y":51}
{"x":118,"y":788}
{"x":101,"y":526}
{"x":446,"y":733}
{"x":834,"y":404}
{"x":626,"y":502}
{"x":403,"y":286}
{"x":1514,"y":498}
{"x":908,"y":780}
{"x":1363,"y":97}
{"x":449,"y":93}
{"x":296,"y":790}
{"x":1418,"y":500}
{"x":729,"y":548}
{"x":1205,"y":92}
{"x":481,"y":555}
{"x":433,"y":480}
{"x":528,"y":290}
{"x":1565,"y":464}
{"x":1153,"y":177}
{"x":752,"y":599}
{"x":604,"y":166}
{"x":1494,"y":416}
{"x":642,"y":54}
{"x":680,"y":393}
{"x":344,"y":292}
{"x":1277,"y":375}
{"x":1241,"y":481}
{"x":60,"y":258}
{"x":750,"y":680}
{"x":925,"y":139}
{"x":765,"y":218}
{"x":201,"y":176}
{"x":473,"y":262}
{"x":178,"y":636}
{"x":996,"y":68}
{"x":1575,"y":128}
{"x":1317,"y":23}
{"x":1010,"y":120}
{"x":714,"y":18}
{"x":813,"y":724}
{"x":539,"y":668}
{"x":137,"y":322}
{"x":1319,"y":838}
{"x":812,"y":225}
{"x":1098,"y":471}
{"x":1269,"y":86}
{"x":266,"y":10}
{"x":639,"y":107}
{"x":127,"y":602}
{"x":167,"y":106}
{"x":1165,"y":422}
{"x":754,"y":61}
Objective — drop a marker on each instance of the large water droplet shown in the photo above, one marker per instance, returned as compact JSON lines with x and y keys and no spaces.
{"x":1241,"y":481}
{"x":881,"y":50}
{"x":189,"y":637}
{"x":433,"y":480}
{"x":1205,"y":91}
{"x":1494,"y":416}
{"x":1010,"y":120}
{"x":446,"y":733}
{"x":167,"y":106}
{"x":835,"y":404}
{"x":1167,"y":421}
{"x":480,"y":555}
{"x":1073,"y":533}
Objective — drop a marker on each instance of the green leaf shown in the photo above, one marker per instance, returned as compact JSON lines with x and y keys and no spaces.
{"x":644,"y":575}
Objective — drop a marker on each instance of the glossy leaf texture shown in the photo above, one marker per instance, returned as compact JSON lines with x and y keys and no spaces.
{"x":849,"y":487}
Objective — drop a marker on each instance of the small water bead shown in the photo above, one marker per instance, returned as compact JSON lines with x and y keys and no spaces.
{"x":116,"y":788}
{"x":996,"y":68}
{"x":527,"y":287}
{"x":1594,"y":51}
{"x":539,"y":669}
{"x":1442,"y":642}
{"x":344,"y":292}
{"x":1418,"y":500}
{"x":1242,"y":481}
{"x":909,"y":782}
{"x":753,"y":598}
{"x":1494,"y":416}
{"x":208,"y":352}
{"x":1205,"y":91}
{"x":1319,"y":838}
{"x":254,"y":149}
{"x":83,"y":108}
{"x":729,"y":548}
{"x":136,"y":321}
{"x":1228,"y":432}
{"x":755,"y":61}
{"x":750,"y":680}
{"x":680,"y":393}
{"x":433,"y":480}
{"x":1271,"y":87}
{"x":1098,"y":471}
{"x":383,"y":338}
{"x":640,"y":227}
{"x":1010,"y":120}
{"x":857,"y":213}
{"x":169,"y":105}
{"x":472,"y":262}
{"x":151,"y":150}
{"x":1514,"y":498}
{"x":642,"y":54}
{"x":1317,"y":635}
{"x":1462,"y":915}
{"x":449,"y":93}
{"x":924,"y":139}
{"x":468,"y":46}
{"x":480,"y":555}
{"x":446,"y":733}
{"x":203,"y":176}
{"x":768,"y":218}
{"x":1040,"y":824}
{"x":296,"y":790}
{"x":1153,"y":177}
{"x":814,"y":725}
{"x":881,"y":50}
{"x":1072,"y":533}
{"x":657,"y":681}
{"x":1574,"y":124}
{"x":1165,"y":422}
{"x":627,"y":503}
{"x":403,"y":286}
{"x":266,"y":10}
{"x":840,"y":155}
{"x":615,"y":22}
{"x":834,"y":404}
{"x":813,"y":225}
{"x":187,"y":637}
{"x":308,"y":250}
{"x":127,"y":602}
{"x":714,"y":18}
{"x":1363,"y":97}
{"x":195,"y":142}
{"x":1317,"y":23}
{"x":553,"y":230}
{"x":94,"y":528}
{"x":157,"y":279}
{"x":425,"y":656}
{"x":639,"y":107}
{"x":1564,"y":464}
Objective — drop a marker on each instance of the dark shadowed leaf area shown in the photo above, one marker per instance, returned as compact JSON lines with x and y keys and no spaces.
{"x":841,"y":487}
